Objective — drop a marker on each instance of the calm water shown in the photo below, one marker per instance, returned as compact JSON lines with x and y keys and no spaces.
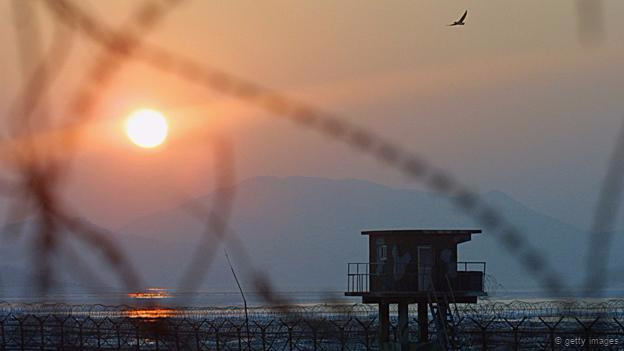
{"x":230,"y":298}
{"x":165,"y":297}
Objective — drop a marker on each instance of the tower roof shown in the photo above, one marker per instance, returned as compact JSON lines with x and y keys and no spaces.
{"x":422,"y":232}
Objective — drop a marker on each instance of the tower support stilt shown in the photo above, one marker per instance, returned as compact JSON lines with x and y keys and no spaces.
{"x":423,"y":322}
{"x":384,"y":323}
{"x":404,"y":326}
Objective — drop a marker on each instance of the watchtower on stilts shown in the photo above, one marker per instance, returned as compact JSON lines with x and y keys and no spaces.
{"x":416,"y":266}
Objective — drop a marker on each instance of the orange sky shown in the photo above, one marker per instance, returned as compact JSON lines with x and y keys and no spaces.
{"x":512,"y":101}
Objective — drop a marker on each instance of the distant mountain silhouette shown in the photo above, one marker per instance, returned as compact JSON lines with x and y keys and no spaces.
{"x":303,"y":231}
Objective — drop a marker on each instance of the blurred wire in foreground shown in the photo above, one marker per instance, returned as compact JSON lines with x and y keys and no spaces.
{"x":605,"y":215}
{"x":362,"y":140}
{"x":215,"y":220}
{"x":591,"y":25}
{"x":41,"y":166}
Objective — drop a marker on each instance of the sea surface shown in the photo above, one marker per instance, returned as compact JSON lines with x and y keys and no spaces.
{"x":167,"y":297}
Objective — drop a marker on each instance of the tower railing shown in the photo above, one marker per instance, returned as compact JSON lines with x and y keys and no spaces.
{"x":465,"y":266}
{"x":405,"y":277}
{"x":358,"y":277}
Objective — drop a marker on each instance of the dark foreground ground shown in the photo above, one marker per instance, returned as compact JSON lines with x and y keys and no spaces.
{"x":491,"y":326}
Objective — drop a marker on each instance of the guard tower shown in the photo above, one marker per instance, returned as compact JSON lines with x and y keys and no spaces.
{"x":416,"y":266}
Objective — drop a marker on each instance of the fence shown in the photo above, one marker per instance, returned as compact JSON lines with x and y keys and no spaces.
{"x":492,"y":326}
{"x":38,"y":169}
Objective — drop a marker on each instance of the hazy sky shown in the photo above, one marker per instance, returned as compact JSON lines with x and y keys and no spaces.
{"x":512,"y":101}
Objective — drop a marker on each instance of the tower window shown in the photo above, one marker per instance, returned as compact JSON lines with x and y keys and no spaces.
{"x":382,"y":252}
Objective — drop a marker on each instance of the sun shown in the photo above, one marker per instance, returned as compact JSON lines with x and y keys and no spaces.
{"x":146,"y":128}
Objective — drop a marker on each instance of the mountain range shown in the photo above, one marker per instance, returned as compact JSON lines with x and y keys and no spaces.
{"x":302,"y":232}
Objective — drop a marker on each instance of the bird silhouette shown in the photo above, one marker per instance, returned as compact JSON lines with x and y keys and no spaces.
{"x":461,"y":21}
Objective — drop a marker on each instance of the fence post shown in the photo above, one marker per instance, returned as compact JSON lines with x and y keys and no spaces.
{"x":41,"y":330}
{"x":314,"y":338}
{"x":177,"y":337}
{"x":2,"y":338}
{"x":483,"y":328}
{"x":62,"y":336}
{"x":97,"y":333}
{"x":21,"y":326}
{"x":342,"y":338}
{"x":587,"y":329}
{"x":197,"y":344}
{"x":117,"y":327}
{"x":158,"y":332}
{"x":484,"y":337}
{"x":619,"y":324}
{"x":515,"y":328}
{"x":621,"y":332}
{"x":366,"y":328}
{"x":263,"y":337}
{"x":551,"y":328}
{"x":240,"y":340}
{"x":290,"y":338}
{"x":455,"y":341}
{"x":80,"y":341}
{"x":217,"y":337}
{"x":138,"y":337}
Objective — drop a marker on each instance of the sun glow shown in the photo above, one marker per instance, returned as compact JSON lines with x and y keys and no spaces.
{"x":146,"y":128}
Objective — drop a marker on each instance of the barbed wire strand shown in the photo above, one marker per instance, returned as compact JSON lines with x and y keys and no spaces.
{"x":215,"y":221}
{"x":363,"y":140}
{"x":591,"y":23}
{"x":29,"y":41}
{"x":40,"y":183}
{"x":42,"y":180}
{"x":605,"y":215}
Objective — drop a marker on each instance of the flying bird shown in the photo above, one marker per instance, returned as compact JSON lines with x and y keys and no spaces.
{"x":461,"y":21}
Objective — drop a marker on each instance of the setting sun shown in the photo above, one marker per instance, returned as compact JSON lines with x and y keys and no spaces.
{"x":146,"y":128}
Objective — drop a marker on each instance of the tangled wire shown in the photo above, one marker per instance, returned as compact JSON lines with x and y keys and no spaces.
{"x":39,"y":167}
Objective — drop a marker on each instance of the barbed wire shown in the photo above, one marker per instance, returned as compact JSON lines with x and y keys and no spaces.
{"x":42,"y":168}
{"x":27,"y":157}
{"x":32,"y":332}
{"x":591,"y":24}
{"x":355,"y":328}
{"x":215,"y":221}
{"x":361,"y":139}
{"x":603,"y":225}
{"x":41,"y":172}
